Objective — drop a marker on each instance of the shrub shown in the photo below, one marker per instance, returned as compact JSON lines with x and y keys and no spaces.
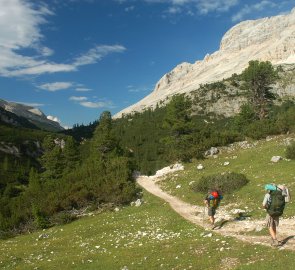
{"x":62,"y":218}
{"x":40,"y":220}
{"x":290,"y":151}
{"x":227,"y":183}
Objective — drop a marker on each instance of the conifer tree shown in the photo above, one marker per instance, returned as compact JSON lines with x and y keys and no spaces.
{"x":103,"y":141}
{"x":51,"y":160}
{"x":258,"y":77}
{"x":70,"y":155}
{"x":178,"y":121}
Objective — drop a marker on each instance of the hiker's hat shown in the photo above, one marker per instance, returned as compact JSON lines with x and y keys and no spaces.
{"x":270,"y":187}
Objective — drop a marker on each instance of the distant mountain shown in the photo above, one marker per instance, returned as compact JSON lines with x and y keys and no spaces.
{"x":268,"y":39}
{"x":17,"y":114}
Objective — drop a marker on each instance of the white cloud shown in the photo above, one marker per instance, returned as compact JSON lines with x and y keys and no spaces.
{"x":19,"y":23}
{"x":20,"y":28}
{"x":56,"y":86}
{"x":74,"y":98}
{"x":207,"y":6}
{"x":85,"y":102}
{"x":34,"y":104}
{"x":97,"y":53}
{"x":174,"y":10}
{"x":45,"y":51}
{"x":53,"y":118}
{"x":83,"y":89}
{"x":200,"y":6}
{"x":31,"y":104}
{"x":250,"y":9}
{"x":99,"y":104}
{"x":128,"y":9}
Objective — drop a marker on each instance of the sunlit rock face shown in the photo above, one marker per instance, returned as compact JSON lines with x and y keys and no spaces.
{"x":271,"y":39}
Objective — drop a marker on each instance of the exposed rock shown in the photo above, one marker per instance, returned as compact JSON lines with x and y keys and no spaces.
{"x":60,"y":142}
{"x":237,"y":211}
{"x":169,"y":169}
{"x":276,"y":159}
{"x":27,"y":148}
{"x":9,"y":149}
{"x":212,"y":151}
{"x":138,"y":202}
{"x":268,"y":39}
{"x":200,"y":167}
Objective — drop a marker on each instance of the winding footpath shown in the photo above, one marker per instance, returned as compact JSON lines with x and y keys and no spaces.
{"x":229,"y":226}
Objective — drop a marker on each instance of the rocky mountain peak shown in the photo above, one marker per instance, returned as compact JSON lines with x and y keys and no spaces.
{"x":268,"y":39}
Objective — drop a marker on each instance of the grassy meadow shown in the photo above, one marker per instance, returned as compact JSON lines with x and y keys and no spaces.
{"x":254,"y":162}
{"x":153,"y":236}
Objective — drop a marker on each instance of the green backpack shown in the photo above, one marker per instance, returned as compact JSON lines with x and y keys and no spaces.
{"x":277,"y":203}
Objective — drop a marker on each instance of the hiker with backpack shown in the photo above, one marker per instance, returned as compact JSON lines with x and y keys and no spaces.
{"x":212,"y":201}
{"x":274,"y":202}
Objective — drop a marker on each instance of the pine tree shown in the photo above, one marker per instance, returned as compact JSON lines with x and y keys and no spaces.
{"x":103,"y":142}
{"x":70,"y":155}
{"x":52,"y":160}
{"x":258,"y":78}
{"x":178,"y":121}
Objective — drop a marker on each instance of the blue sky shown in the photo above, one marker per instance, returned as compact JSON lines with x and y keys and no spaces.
{"x":74,"y":59}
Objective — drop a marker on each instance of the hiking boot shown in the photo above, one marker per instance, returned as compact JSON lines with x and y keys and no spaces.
{"x":276,"y":243}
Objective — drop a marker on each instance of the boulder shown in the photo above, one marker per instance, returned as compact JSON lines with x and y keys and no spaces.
{"x":212,"y":151}
{"x":200,"y":167}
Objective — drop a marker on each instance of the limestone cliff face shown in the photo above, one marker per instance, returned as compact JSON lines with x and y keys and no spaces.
{"x":271,"y":39}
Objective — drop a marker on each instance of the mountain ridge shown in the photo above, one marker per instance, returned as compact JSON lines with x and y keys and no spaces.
{"x":267,"y":39}
{"x":33,"y":115}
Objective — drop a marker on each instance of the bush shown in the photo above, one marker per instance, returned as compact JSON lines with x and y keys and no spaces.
{"x":62,"y":218}
{"x":290,"y":151}
{"x":226,"y":183}
{"x":40,"y":220}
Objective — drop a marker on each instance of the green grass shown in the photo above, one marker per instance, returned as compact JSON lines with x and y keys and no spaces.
{"x":254,"y":163}
{"x":151,"y":236}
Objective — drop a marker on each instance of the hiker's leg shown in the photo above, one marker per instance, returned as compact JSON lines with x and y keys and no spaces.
{"x":273,"y":231}
{"x":212,"y":219}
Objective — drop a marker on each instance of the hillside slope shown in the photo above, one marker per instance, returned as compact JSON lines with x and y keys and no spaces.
{"x":153,"y":236}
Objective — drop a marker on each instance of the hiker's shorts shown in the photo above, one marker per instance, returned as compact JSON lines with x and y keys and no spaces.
{"x":211,"y":211}
{"x":272,"y":221}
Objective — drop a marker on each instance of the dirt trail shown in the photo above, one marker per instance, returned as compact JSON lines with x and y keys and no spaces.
{"x":229,"y":225}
